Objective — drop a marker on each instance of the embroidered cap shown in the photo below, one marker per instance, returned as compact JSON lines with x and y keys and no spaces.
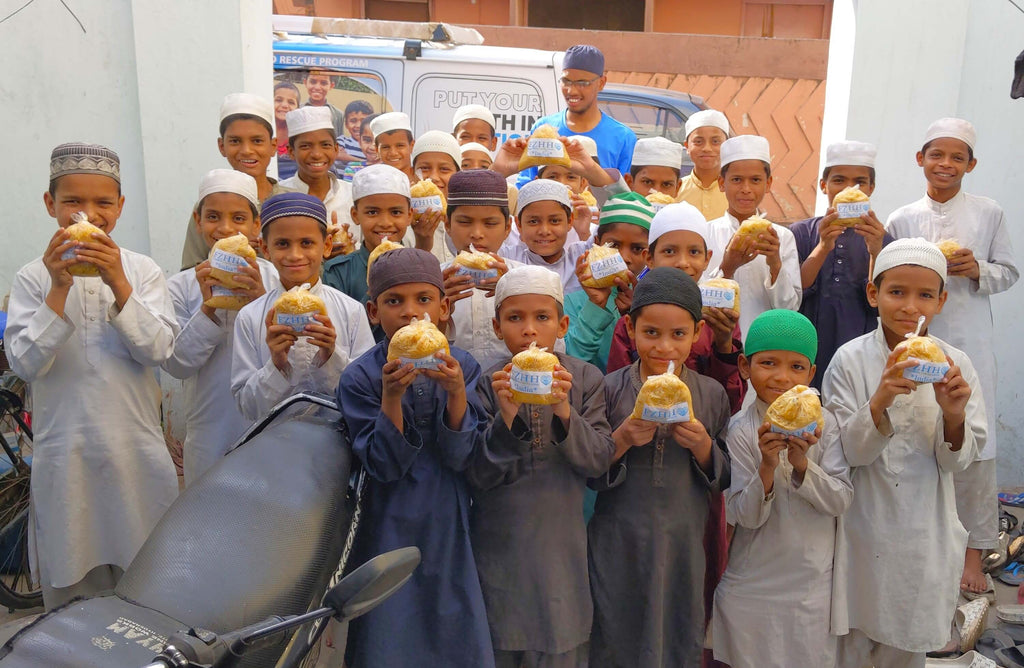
{"x":910,"y":250}
{"x":657,"y":152}
{"x":379,"y":179}
{"x":435,"y":141}
{"x":292,"y":204}
{"x":853,"y":153}
{"x":782,"y":329}
{"x":956,"y":128}
{"x":390,"y":122}
{"x":308,"y":119}
{"x":401,"y":266}
{"x":746,"y":147}
{"x":542,"y":189}
{"x":81,"y":158}
{"x":629,"y":207}
{"x":477,"y":187}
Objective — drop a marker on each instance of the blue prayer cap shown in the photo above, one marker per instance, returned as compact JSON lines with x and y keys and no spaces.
{"x":292,"y":204}
{"x":584,"y":57}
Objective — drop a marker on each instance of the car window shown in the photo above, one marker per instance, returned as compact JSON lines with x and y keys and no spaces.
{"x":646,"y":120}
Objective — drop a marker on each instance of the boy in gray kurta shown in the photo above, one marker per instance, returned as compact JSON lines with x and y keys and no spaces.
{"x":527,"y":529}
{"x":646,"y":555}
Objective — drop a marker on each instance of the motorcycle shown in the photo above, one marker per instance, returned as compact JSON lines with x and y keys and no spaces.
{"x":266,"y":532}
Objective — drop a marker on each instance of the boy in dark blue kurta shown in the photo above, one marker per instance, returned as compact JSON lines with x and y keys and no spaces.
{"x":415,"y":431}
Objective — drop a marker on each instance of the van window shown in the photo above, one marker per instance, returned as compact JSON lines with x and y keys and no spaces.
{"x":515,"y":103}
{"x":646,"y":120}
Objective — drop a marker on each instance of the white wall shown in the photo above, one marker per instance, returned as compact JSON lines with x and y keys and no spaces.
{"x":145,"y":78}
{"x":917,"y":60}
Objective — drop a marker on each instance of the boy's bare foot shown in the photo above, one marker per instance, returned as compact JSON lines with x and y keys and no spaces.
{"x":973,"y":579}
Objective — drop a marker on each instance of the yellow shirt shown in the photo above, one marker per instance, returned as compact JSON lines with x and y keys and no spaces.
{"x":710,"y":201}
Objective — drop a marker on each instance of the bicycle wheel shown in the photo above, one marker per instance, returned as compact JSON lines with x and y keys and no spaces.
{"x":18,"y":589}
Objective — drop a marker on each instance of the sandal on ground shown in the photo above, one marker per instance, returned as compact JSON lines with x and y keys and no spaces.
{"x":969,"y":660}
{"x":1011,"y":614}
{"x":1011,"y":657}
{"x":993,"y":640}
{"x":1013,"y":574}
{"x":969,"y":620}
{"x":1007,"y":521}
{"x":989,"y":592}
{"x":1012,"y":500}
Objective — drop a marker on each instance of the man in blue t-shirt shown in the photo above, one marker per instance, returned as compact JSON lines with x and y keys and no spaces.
{"x":582,"y":79}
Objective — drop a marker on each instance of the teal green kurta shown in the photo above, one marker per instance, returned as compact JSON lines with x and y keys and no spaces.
{"x":590,"y":328}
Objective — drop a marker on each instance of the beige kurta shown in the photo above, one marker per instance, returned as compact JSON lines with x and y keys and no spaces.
{"x":977,"y":223}
{"x":101,"y":472}
{"x":900,"y":546}
{"x":781,"y":553}
{"x":710,"y":201}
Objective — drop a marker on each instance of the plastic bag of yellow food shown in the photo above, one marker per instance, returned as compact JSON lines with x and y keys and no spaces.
{"x":533,"y":376}
{"x":227,"y":257}
{"x":931,"y":360}
{"x":342,"y":242}
{"x":426,"y":195}
{"x":81,"y":231}
{"x":297,"y":307}
{"x":384,"y":246}
{"x":589,"y":198}
{"x":475,"y":264}
{"x":753,"y":226}
{"x":544,"y":148}
{"x":659,"y":200}
{"x":720,"y":293}
{"x":664,"y":398}
{"x":796,"y":412}
{"x":417,"y":343}
{"x":606,"y":264}
{"x":948,"y":247}
{"x":850,"y":203}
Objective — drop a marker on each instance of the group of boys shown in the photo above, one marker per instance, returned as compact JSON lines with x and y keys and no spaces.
{"x":847,"y":543}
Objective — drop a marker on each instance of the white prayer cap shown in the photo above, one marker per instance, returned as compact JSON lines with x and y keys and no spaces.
{"x":679,"y":217}
{"x":542,"y":189}
{"x":657,"y":152}
{"x":246,"y":103}
{"x":588,"y":144}
{"x":379,"y":179}
{"x":957,"y":128}
{"x":529,"y":279}
{"x":910,"y":250}
{"x":470,"y":111}
{"x":435,"y":141}
{"x":854,"y":153}
{"x":308,"y":119}
{"x":389,"y":122}
{"x":705,"y":119}
{"x":229,"y":181}
{"x":746,"y":147}
{"x":469,"y":147}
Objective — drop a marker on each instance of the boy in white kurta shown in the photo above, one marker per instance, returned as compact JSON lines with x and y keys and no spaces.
{"x":784,"y":497}
{"x":272,"y":361}
{"x":228,"y":206}
{"x":89,"y":346}
{"x":768,"y":269}
{"x":983,"y":266}
{"x":900,"y":546}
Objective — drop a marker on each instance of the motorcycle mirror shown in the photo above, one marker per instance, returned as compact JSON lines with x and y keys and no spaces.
{"x":369,"y":585}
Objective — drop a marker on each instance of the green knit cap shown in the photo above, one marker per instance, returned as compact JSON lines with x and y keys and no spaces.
{"x":627,"y":208}
{"x":782,"y":329}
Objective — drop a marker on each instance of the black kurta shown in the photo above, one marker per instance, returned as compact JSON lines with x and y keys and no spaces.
{"x":527,"y":529}
{"x":646,"y":551}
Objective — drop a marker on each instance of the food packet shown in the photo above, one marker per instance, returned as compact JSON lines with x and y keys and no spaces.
{"x":532,"y":376}
{"x":417,"y":343}
{"x":606,"y":264}
{"x":426,"y":195}
{"x":753,"y":226}
{"x":931,"y":360}
{"x":796,"y":412}
{"x":664,"y":398}
{"x":227,"y":257}
{"x":850,"y":203}
{"x":949,"y":247}
{"x":81,"y":231}
{"x":384,"y":246}
{"x":544,"y":148}
{"x":297,"y":306}
{"x":720,"y":293}
{"x":659,"y":200}
{"x":476,"y":265}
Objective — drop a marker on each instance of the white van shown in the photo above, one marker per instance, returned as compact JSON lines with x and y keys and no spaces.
{"x":429,"y":70}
